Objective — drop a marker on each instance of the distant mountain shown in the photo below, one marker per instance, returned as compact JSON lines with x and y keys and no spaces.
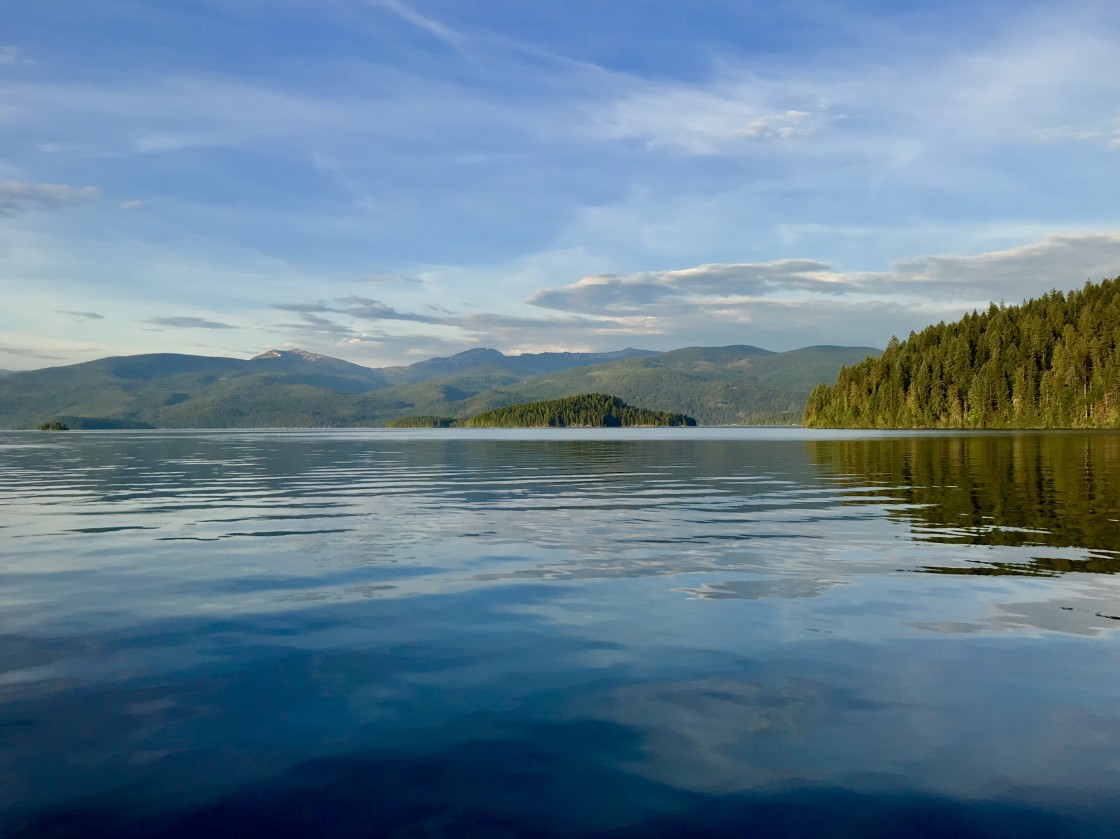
{"x":302,"y":367}
{"x":294,"y":388}
{"x":490,"y":363}
{"x":736,"y":385}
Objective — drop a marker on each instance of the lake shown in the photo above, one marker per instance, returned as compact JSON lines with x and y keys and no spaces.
{"x":702,"y":632}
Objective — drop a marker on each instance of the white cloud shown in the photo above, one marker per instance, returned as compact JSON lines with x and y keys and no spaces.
{"x":784,"y":126}
{"x":20,"y":197}
{"x":474,"y":181}
{"x":634,"y":292}
{"x":803,"y":301}
{"x":1059,"y":261}
{"x":1107,"y":135}
{"x":1036,"y":73}
{"x":708,"y":119}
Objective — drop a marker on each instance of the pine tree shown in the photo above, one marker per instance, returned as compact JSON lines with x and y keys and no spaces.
{"x":1050,"y":362}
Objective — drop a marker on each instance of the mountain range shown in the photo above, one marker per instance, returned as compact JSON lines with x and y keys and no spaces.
{"x":736,"y":385}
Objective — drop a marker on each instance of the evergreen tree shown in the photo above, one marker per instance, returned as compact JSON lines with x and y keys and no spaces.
{"x":1053,"y":362}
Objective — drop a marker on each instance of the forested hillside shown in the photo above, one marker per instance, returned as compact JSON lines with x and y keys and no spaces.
{"x":290,"y":388}
{"x":587,"y":410}
{"x":1053,"y":362}
{"x":423,"y":422}
{"x":736,"y":385}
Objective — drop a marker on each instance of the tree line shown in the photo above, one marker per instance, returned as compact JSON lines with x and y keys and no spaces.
{"x":587,"y":410}
{"x":1053,"y":362}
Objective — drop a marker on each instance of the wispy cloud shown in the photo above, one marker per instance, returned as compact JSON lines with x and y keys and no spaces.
{"x":359,"y":308}
{"x":507,"y":331}
{"x":169,"y":113}
{"x":670,"y":184}
{"x":1106,"y":135}
{"x":406,"y":347}
{"x":633,"y":292}
{"x":29,"y":352}
{"x":704,"y":119}
{"x":12,"y":56}
{"x":393,"y":278}
{"x":81,"y":315}
{"x":779,"y":304}
{"x":186,"y":322}
{"x":810,"y":301}
{"x":304,"y":307}
{"x":20,"y":197}
{"x":1011,"y":274}
{"x":318,"y":325}
{"x":433,"y":27}
{"x":911,"y":101}
{"x":365,"y":308}
{"x":783,"y":126}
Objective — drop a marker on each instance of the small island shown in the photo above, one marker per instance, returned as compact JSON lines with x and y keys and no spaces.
{"x":53,"y":425}
{"x":587,"y":410}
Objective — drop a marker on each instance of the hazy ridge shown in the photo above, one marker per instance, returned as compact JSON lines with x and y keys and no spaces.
{"x":292,"y":388}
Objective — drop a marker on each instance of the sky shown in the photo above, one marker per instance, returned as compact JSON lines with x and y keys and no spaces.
{"x":389,"y":180}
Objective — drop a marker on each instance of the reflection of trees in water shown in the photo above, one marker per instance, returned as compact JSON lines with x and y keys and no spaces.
{"x":1052,"y":490}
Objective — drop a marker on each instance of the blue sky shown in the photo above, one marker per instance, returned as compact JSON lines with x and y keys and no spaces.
{"x":389,"y":180}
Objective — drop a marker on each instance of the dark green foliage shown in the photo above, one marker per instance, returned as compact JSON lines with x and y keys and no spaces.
{"x":53,"y":425}
{"x":421,"y":422}
{"x":102,"y":423}
{"x":1048,"y":363}
{"x":588,"y":410}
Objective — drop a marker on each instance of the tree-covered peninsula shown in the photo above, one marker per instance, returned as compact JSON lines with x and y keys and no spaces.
{"x":587,"y":410}
{"x":421,"y":422}
{"x":1053,"y":362}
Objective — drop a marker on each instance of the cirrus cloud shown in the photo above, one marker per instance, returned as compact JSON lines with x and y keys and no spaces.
{"x":359,"y":308}
{"x":187,"y":322}
{"x":18,"y":197}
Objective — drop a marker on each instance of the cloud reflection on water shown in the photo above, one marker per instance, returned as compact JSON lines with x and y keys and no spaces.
{"x":655,"y":629}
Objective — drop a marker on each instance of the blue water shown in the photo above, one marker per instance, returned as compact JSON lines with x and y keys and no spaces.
{"x":501,"y":633}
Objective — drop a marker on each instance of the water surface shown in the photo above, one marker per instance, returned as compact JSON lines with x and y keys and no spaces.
{"x":633,"y":633}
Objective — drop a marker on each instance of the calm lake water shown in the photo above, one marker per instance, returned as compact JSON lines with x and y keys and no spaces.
{"x":696,"y":632}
